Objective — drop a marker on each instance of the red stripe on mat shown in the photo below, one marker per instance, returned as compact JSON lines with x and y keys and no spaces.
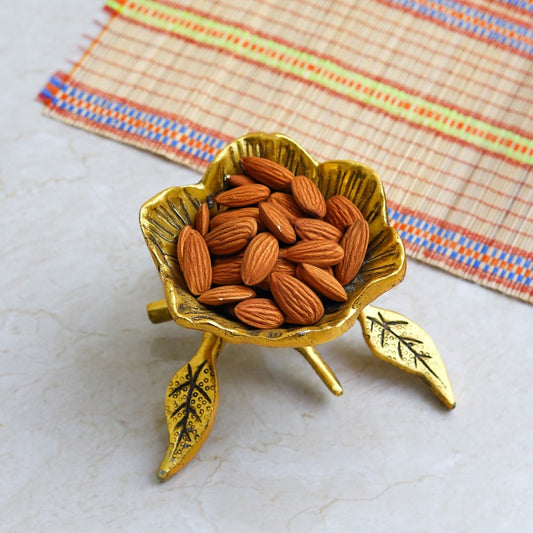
{"x":130,"y":138}
{"x":455,"y":228}
{"x":455,"y":29}
{"x":513,"y":7}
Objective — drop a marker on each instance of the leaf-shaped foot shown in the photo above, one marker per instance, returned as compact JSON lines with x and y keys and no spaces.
{"x":396,"y":339}
{"x":191,"y":404}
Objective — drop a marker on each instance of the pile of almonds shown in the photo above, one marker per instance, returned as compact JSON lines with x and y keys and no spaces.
{"x":277,"y":250}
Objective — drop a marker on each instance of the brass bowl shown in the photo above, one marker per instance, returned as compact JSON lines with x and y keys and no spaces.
{"x":162,"y":218}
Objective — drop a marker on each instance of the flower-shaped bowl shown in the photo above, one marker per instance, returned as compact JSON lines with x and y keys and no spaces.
{"x":164,"y":215}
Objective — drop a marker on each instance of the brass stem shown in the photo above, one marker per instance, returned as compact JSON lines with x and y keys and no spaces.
{"x":158,"y":312}
{"x":322,"y":369}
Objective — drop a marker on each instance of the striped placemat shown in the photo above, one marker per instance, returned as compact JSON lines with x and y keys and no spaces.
{"x":435,"y":95}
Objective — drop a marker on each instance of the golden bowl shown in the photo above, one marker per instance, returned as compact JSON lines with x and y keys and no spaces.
{"x":190,"y":416}
{"x":164,"y":215}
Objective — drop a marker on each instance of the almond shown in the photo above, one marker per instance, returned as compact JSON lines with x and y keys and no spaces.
{"x":277,"y":223}
{"x":268,"y":172}
{"x":313,"y":228}
{"x":231,"y":237}
{"x":201,"y":222}
{"x":341,"y":212}
{"x":223,"y":259}
{"x":321,"y":281}
{"x":320,"y":252}
{"x":234,"y":214}
{"x":259,"y":258}
{"x":236,"y":180}
{"x":226,"y":294}
{"x":354,"y":243}
{"x":227,"y":270}
{"x":282,"y":265}
{"x":329,"y":270}
{"x":196,"y":263}
{"x":308,"y":196}
{"x":181,"y":239}
{"x":297,"y":301}
{"x":260,"y":313}
{"x":287,"y":204}
{"x":243,"y":196}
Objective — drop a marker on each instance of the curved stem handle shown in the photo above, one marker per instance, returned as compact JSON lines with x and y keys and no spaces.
{"x":191,"y":404}
{"x":397,"y":340}
{"x":322,"y":369}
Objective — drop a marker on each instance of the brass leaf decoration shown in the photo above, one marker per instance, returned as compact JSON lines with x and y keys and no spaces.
{"x":191,"y":404}
{"x":397,"y":340}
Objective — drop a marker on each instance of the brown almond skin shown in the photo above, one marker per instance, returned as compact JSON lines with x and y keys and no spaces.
{"x":287,"y":204}
{"x":320,"y":252}
{"x":354,"y":243}
{"x":227,"y":270}
{"x":297,"y":301}
{"x":276,"y":222}
{"x":308,"y":196}
{"x":236,"y":180}
{"x":313,"y":228}
{"x":282,"y":265}
{"x":259,"y":258}
{"x":268,"y":172}
{"x":329,"y":270}
{"x":225,"y":295}
{"x":234,"y":214}
{"x":321,"y":281}
{"x":201,"y":222}
{"x":341,"y":212}
{"x":261,"y":313}
{"x":181,"y":239}
{"x":231,"y":237}
{"x":196,"y":263}
{"x":243,"y":196}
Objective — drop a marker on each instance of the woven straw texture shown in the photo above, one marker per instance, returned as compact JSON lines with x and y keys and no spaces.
{"x":435,"y":95}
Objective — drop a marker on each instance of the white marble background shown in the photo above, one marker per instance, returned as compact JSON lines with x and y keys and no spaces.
{"x":83,"y":372}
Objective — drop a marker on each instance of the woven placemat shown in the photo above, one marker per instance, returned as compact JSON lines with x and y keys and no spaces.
{"x":435,"y":95}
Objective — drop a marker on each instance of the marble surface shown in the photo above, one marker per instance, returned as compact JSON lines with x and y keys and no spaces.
{"x":83,"y":372}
